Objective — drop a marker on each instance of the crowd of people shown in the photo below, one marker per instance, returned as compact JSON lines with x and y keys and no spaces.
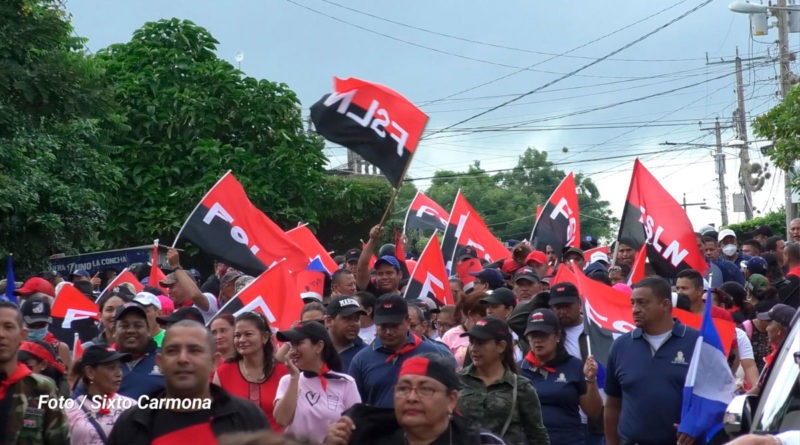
{"x":509,"y":362}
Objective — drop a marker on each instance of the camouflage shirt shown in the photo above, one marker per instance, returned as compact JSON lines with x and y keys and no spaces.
{"x":28,"y":424}
{"x":490,"y":406}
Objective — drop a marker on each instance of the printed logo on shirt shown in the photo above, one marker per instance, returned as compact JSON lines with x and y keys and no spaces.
{"x":679,"y":359}
{"x":156,"y":371}
{"x":312,"y":397}
{"x":561,"y":378}
{"x":333,"y":402}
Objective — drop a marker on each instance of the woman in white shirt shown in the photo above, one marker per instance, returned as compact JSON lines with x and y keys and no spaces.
{"x":92,"y":416}
{"x":314,"y":394}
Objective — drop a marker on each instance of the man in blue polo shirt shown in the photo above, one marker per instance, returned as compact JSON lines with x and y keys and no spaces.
{"x":375,"y":368}
{"x":343,"y":320}
{"x":646,"y":371}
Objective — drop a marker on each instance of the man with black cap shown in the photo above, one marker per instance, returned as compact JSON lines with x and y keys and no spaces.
{"x":190,"y":409}
{"x":487,"y":279}
{"x":375,"y":368}
{"x":526,"y":284}
{"x":574,"y":255}
{"x":351,"y":260}
{"x":343,"y":320}
{"x":500,"y":303}
{"x":141,"y":375}
{"x":36,"y":315}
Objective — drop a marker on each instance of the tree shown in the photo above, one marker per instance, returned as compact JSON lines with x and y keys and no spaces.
{"x":781,"y":124}
{"x":184,"y":118}
{"x":507,"y":200}
{"x":55,"y":175}
{"x":774,"y":220}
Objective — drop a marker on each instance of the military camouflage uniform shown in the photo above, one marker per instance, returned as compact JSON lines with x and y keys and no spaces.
{"x":490,"y":406}
{"x":29,"y":425}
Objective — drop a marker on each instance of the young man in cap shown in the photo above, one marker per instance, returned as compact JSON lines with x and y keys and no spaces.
{"x":728,"y":247}
{"x":387,"y":269}
{"x":351,"y":260}
{"x":343,"y":320}
{"x":183,"y":290}
{"x":526,"y":284}
{"x":486,"y":280}
{"x":36,"y":316}
{"x":25,"y":415}
{"x":190,"y":409}
{"x":375,"y":368}
{"x":499,"y":303}
{"x":574,"y":255}
{"x":637,"y":410}
{"x":141,"y":375}
{"x":152,"y":307}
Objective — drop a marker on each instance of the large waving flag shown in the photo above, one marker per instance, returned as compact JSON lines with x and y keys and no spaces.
{"x":710,"y":386}
{"x":429,"y":277}
{"x":228,"y":226}
{"x":10,"y":285}
{"x":653,"y":218}
{"x":425,"y":214}
{"x":558,"y":224}
{"x":476,"y":234}
{"x":305,"y":239}
{"x":274,"y":294}
{"x":372,"y":120}
{"x":73,"y":312}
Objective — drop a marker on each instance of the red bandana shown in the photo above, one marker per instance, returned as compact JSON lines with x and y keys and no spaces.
{"x":536,"y":364}
{"x":323,"y":374}
{"x":104,"y":409}
{"x":408,"y":347}
{"x":20,"y":373}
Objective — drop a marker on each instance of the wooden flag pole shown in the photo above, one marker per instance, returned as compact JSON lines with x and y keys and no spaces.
{"x":396,"y":191}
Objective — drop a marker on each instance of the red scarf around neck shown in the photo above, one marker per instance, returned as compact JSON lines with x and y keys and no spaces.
{"x":537,"y":364}
{"x":20,"y":373}
{"x":323,"y":374}
{"x":408,"y":347}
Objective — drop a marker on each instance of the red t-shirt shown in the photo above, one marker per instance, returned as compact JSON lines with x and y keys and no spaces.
{"x":262,"y":394}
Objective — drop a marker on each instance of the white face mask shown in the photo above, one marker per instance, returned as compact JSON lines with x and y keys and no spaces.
{"x":729,"y":249}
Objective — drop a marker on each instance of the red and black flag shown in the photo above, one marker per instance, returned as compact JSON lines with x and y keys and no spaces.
{"x":305,"y":239}
{"x":228,"y":226}
{"x":466,"y":228}
{"x":374,"y":121}
{"x":73,"y":313}
{"x":124,"y":277}
{"x":429,"y":278}
{"x":558,"y":224}
{"x":652,"y":217}
{"x":425,"y":214}
{"x":274,"y":294}
{"x":456,"y":220}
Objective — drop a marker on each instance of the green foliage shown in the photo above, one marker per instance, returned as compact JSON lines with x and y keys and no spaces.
{"x":184,"y":118}
{"x":507,"y":201}
{"x":775,"y":220}
{"x":55,"y":175}
{"x":781,"y":124}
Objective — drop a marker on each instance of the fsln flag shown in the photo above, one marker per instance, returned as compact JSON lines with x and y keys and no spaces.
{"x":425,"y":214}
{"x":652,"y":217}
{"x":124,"y":277}
{"x":638,"y":268}
{"x":72,"y":305}
{"x":476,"y":234}
{"x":305,"y":239}
{"x":156,"y":274}
{"x":463,"y":270}
{"x":228,"y":226}
{"x":376,"y":122}
{"x":399,"y":248}
{"x":274,"y":294}
{"x":558,"y":224}
{"x":457,"y":219}
{"x":429,"y":277}
{"x":710,"y":386}
{"x":10,"y":285}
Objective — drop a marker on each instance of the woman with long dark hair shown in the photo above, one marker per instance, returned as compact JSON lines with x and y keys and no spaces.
{"x":564,"y":384}
{"x":492,"y":394}
{"x":315,"y":392}
{"x":108,"y":304}
{"x":222,"y":329}
{"x":253,"y":373}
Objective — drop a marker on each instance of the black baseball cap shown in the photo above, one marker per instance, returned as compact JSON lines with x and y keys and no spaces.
{"x":312,"y":330}
{"x":489,"y":328}
{"x":97,"y":355}
{"x":390,"y":309}
{"x":352,"y":255}
{"x":184,"y":313}
{"x":780,"y":313}
{"x":491,"y":276}
{"x":345,"y":306}
{"x":130,"y":307}
{"x":468,"y":252}
{"x":526,"y":273}
{"x":564,"y":292}
{"x":572,"y":250}
{"x":36,"y":310}
{"x":502,"y":295}
{"x":542,"y":320}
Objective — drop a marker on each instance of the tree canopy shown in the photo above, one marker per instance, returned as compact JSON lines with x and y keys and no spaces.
{"x":781,"y":124}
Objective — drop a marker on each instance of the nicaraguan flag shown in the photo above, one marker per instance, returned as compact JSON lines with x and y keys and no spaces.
{"x":709,"y":387}
{"x":10,"y":288}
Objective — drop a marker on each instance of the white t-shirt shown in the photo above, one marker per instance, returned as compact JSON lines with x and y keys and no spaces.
{"x":656,"y":341}
{"x":316,"y":409}
{"x":745,"y":347}
{"x":367,"y":334}
{"x":573,"y":344}
{"x":213,"y":307}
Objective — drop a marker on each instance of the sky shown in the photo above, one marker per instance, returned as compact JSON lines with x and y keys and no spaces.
{"x":665,"y":74}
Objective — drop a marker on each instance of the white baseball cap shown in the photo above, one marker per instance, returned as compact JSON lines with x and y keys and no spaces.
{"x":598,"y":256}
{"x":147,"y":299}
{"x":725,"y":233}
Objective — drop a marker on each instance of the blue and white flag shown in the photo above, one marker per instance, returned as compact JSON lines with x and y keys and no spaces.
{"x":10,"y":288}
{"x":710,"y":385}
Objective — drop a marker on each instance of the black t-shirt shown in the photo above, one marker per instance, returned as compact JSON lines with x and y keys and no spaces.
{"x":181,"y":427}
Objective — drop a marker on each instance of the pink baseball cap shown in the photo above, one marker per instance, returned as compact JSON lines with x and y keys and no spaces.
{"x":167,"y":306}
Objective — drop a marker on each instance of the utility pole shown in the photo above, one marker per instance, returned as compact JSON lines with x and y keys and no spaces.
{"x":744,"y":154}
{"x":782,"y":14}
{"x":719,"y":157}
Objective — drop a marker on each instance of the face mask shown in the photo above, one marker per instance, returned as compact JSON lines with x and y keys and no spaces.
{"x":37,"y":334}
{"x":729,"y":249}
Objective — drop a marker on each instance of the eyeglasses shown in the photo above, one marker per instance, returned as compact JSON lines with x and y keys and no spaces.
{"x":422,"y":391}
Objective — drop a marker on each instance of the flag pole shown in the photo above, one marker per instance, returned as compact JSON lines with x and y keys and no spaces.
{"x":396,"y":190}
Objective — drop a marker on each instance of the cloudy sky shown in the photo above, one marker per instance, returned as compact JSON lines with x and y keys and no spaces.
{"x":670,"y":75}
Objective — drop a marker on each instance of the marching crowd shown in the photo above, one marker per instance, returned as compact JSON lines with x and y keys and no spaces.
{"x":509,"y":362}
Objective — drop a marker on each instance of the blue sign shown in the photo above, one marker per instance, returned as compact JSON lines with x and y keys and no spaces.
{"x":100,"y":261}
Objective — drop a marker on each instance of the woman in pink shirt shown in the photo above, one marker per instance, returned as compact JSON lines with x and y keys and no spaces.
{"x":93,"y":415}
{"x":314,"y":394}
